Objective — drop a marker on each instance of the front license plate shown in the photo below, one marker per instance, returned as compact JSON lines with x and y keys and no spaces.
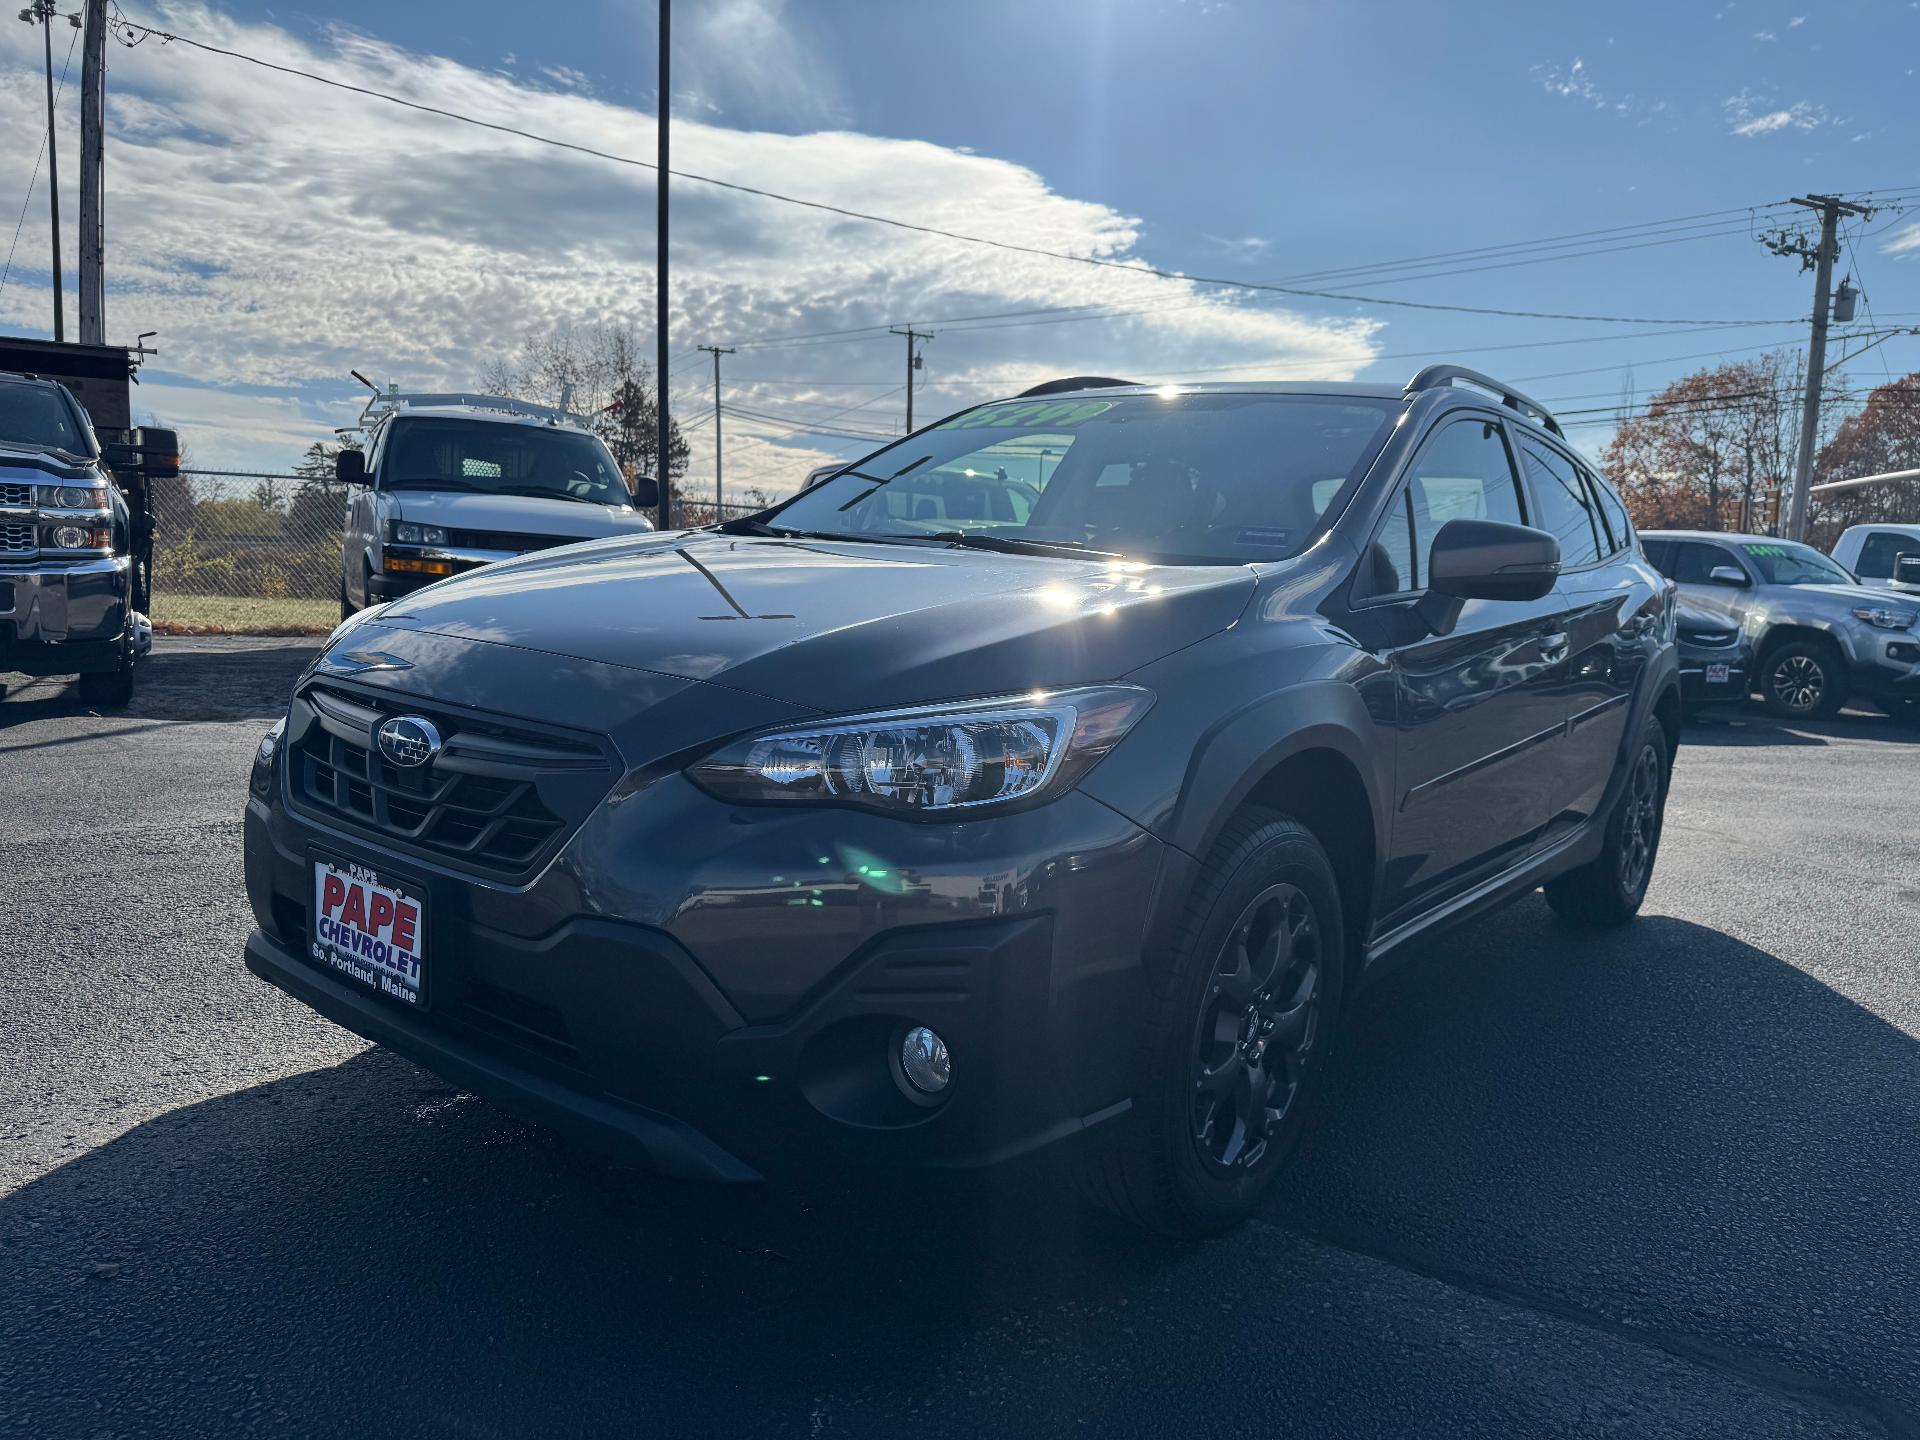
{"x":371,"y":928}
{"x":1717,"y":674}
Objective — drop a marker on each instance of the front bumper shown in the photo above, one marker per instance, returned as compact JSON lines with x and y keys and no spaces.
{"x":666,"y":985}
{"x":67,"y":617}
{"x":1886,"y":664}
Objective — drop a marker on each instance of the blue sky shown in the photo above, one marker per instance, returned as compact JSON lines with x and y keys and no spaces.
{"x":308,"y":230}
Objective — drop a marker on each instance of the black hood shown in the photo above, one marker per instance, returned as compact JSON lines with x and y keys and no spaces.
{"x":835,"y":625}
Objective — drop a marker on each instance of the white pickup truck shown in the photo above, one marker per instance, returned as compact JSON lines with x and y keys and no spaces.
{"x":447,"y":482}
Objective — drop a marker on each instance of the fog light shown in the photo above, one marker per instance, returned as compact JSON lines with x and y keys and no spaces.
{"x":923,"y":1060}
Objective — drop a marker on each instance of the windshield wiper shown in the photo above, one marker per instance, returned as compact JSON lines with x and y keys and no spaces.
{"x":537,"y":492}
{"x":1018,"y":544}
{"x":878,"y":481}
{"x":429,"y":482}
{"x":746,"y":526}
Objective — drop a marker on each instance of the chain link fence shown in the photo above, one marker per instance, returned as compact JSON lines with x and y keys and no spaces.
{"x":245,"y":553}
{"x":237,"y":553}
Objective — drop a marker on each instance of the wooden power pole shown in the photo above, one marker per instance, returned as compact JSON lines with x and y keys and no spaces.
{"x":93,"y":222}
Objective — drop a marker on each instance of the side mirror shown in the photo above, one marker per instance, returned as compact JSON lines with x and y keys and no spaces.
{"x":1728,"y":575}
{"x":646,"y":492}
{"x":1485,"y":560}
{"x":350,"y":467}
{"x":148,"y":451}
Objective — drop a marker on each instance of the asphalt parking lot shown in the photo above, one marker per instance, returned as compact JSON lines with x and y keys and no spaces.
{"x":1656,"y":1182}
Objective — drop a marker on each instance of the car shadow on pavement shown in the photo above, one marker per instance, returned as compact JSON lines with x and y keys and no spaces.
{"x":180,"y":680}
{"x":1662,"y":1131}
{"x":1660,"y":1126}
{"x":1729,"y":726}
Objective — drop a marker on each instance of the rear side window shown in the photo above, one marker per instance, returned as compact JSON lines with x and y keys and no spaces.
{"x":1562,"y":507}
{"x":1611,"y":510}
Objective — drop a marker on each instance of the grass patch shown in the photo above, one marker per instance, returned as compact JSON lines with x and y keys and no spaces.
{"x":241,"y":615}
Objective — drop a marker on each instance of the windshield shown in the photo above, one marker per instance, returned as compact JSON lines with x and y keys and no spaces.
{"x":39,"y":416}
{"x":1783,"y":562}
{"x":1197,"y":478}
{"x":501,"y":460}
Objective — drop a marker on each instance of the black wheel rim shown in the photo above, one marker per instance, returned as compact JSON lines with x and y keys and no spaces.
{"x":1641,"y":832}
{"x":1798,"y":682}
{"x":1259,"y":1021}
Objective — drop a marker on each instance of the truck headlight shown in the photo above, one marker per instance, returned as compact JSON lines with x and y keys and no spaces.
{"x":407,"y":533}
{"x":1882,"y":619}
{"x":931,"y":760}
{"x":74,"y":497}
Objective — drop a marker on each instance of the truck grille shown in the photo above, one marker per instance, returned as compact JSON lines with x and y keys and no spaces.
{"x":16,"y":540}
{"x":519,"y":543}
{"x":1707,"y":636}
{"x":16,"y":495}
{"x":499,"y":799}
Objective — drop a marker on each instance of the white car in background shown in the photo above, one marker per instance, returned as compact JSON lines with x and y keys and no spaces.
{"x":1887,"y":555}
{"x":450,"y":482}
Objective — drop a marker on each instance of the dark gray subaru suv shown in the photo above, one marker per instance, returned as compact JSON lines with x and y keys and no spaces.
{"x":1051,"y":779}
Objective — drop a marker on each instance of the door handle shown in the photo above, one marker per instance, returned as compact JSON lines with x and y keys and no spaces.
{"x":1554,"y":647}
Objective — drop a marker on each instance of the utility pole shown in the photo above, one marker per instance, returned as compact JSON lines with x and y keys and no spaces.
{"x":913,"y":364}
{"x":93,"y":222}
{"x":1818,"y":258}
{"x":663,"y":107}
{"x":42,"y":12}
{"x":718,"y":495}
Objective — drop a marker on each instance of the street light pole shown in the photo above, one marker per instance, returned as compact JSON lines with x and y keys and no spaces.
{"x":663,"y":108}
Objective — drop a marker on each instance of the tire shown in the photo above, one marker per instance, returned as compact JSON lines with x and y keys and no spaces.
{"x":1803,"y":680}
{"x":346,"y":605}
{"x":1235,"y":1040}
{"x":1608,"y":889}
{"x":111,"y":689}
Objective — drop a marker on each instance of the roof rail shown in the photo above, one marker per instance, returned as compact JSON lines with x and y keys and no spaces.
{"x":393,"y":400}
{"x":1074,"y":382}
{"x":1433,"y":377}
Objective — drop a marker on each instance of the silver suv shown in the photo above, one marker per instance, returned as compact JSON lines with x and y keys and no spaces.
{"x":450,"y":482}
{"x":1821,"y":637}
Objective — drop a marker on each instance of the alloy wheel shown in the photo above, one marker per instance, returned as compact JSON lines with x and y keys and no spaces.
{"x":1798,"y":682}
{"x":1642,"y":829}
{"x":1259,"y":1020}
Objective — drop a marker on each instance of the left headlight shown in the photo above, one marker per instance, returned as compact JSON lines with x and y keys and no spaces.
{"x":261,"y":780}
{"x":407,"y":533}
{"x":931,"y":760}
{"x":1883,"y":619}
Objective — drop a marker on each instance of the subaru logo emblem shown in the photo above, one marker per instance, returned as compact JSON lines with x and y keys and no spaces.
{"x":408,"y":740}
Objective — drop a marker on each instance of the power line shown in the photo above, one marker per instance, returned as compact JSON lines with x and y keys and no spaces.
{"x":130,"y":28}
{"x":33,"y":179}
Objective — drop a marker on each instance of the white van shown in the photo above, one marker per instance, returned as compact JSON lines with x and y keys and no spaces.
{"x":450,"y":482}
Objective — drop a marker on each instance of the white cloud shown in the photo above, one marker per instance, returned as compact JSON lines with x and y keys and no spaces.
{"x":1905,"y":241}
{"x":1750,"y":116}
{"x":1571,"y":81}
{"x":757,"y":57}
{"x":1765,"y":35}
{"x":1576,"y":82}
{"x":1247,"y":247}
{"x":277,"y":232}
{"x":1796,"y":22}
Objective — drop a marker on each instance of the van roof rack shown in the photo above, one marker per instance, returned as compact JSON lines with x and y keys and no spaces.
{"x":1434,"y":377}
{"x":1074,"y":382}
{"x":392,"y":400}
